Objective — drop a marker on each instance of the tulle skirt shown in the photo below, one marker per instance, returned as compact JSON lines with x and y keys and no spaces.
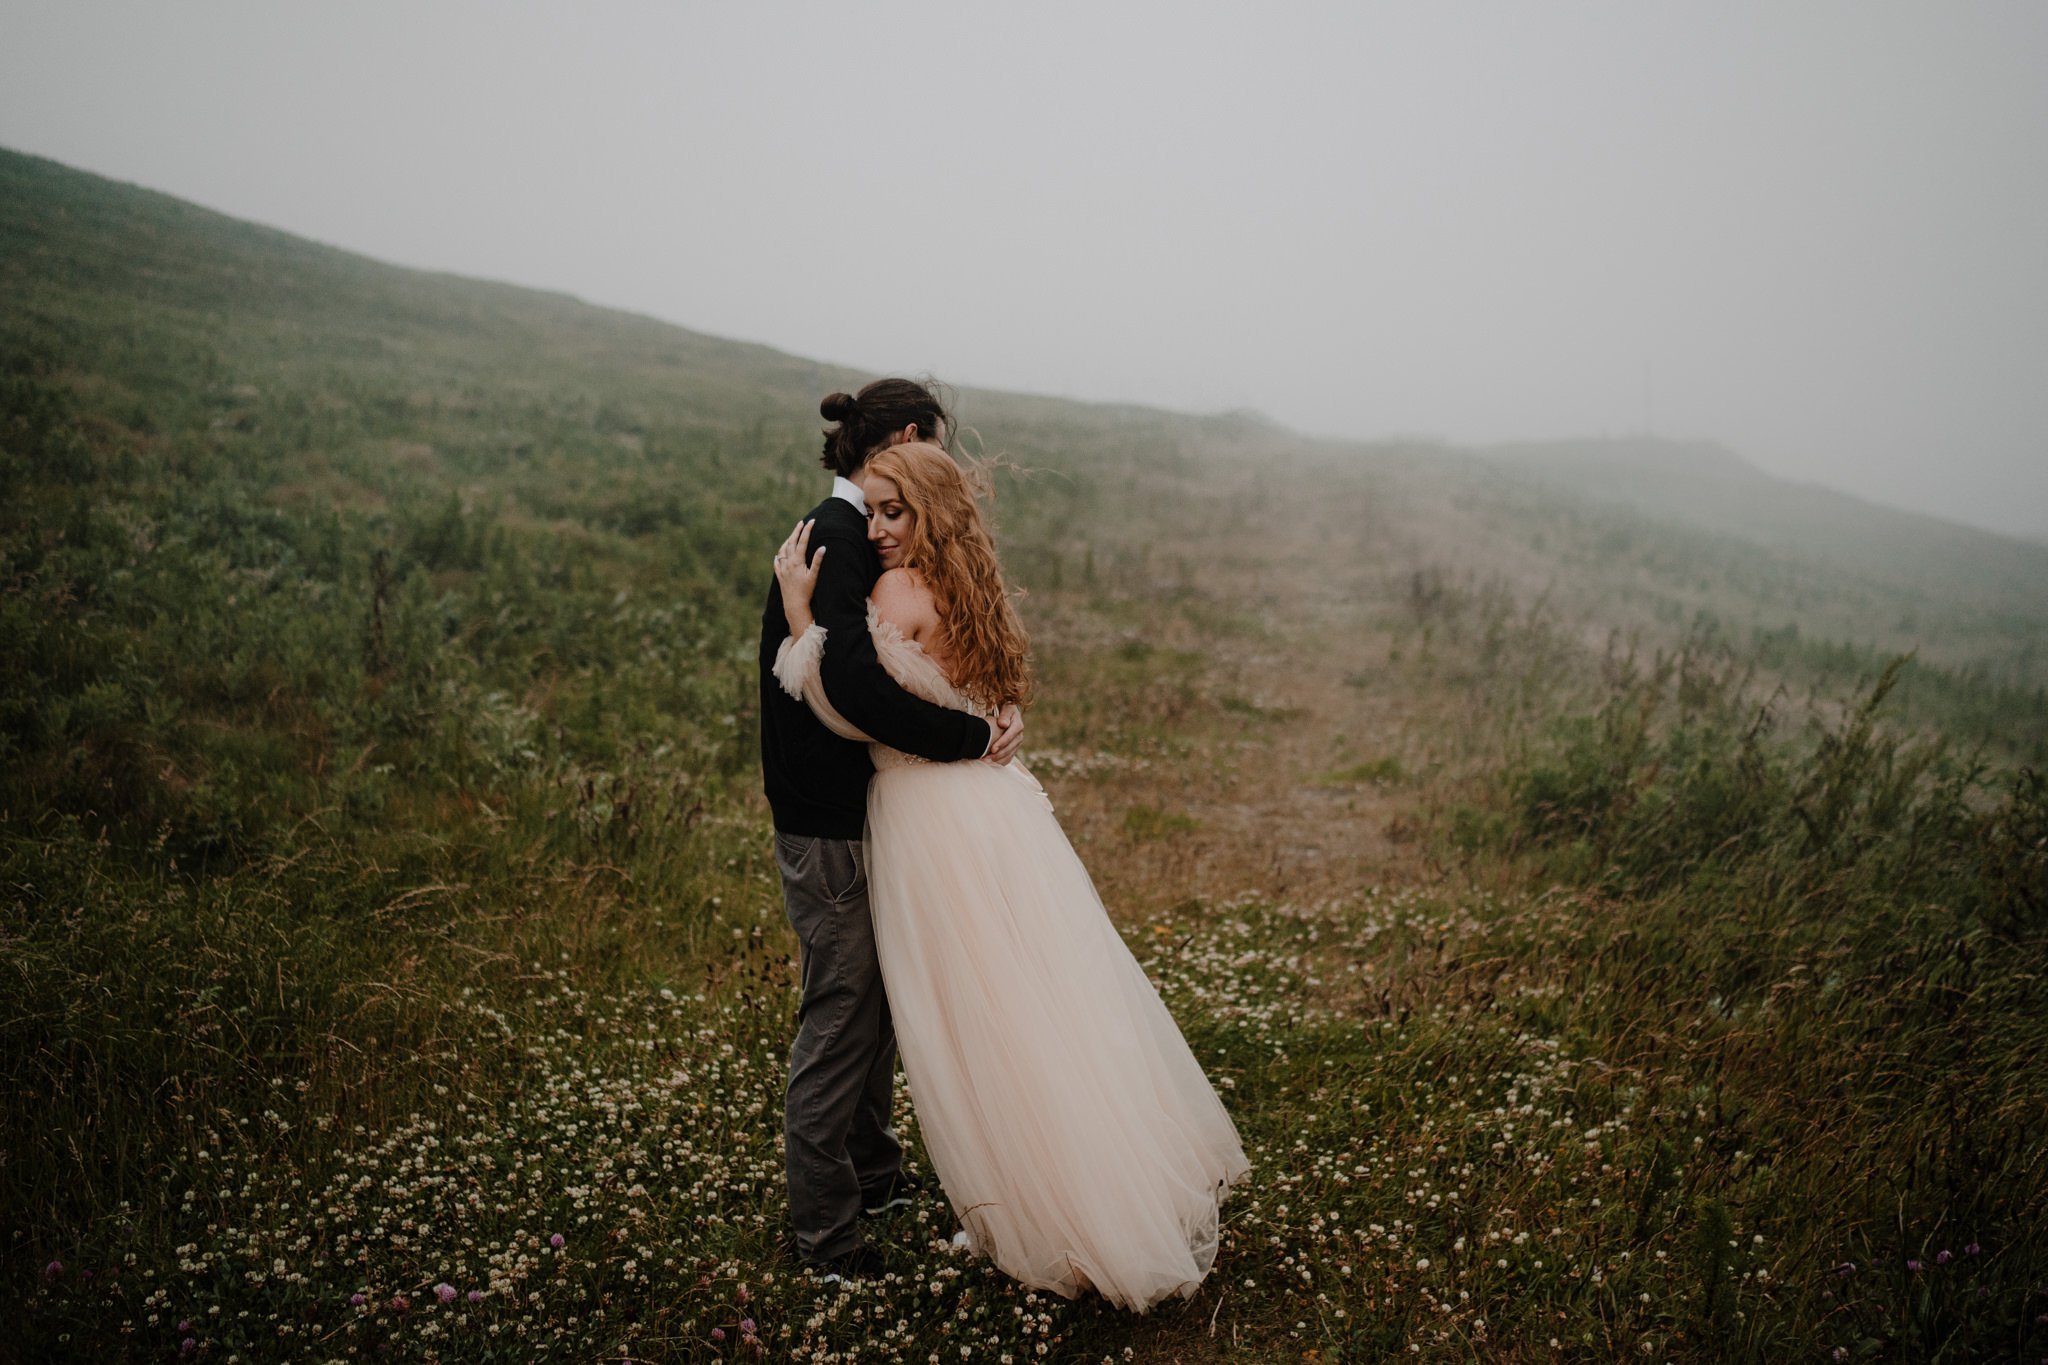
{"x":1073,"y":1131}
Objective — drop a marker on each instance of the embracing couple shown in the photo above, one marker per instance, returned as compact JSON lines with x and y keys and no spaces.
{"x":941,"y":911}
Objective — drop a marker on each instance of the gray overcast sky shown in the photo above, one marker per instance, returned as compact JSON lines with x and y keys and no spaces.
{"x":1816,"y":231}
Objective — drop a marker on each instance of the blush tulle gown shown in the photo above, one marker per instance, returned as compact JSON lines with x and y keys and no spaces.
{"x":1072,"y":1130}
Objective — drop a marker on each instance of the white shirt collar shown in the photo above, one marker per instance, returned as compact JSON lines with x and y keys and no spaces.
{"x":849,"y":490}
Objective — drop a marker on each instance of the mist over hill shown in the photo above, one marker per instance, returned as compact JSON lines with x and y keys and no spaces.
{"x":360,"y":382}
{"x":1704,"y":484}
{"x":135,"y":286}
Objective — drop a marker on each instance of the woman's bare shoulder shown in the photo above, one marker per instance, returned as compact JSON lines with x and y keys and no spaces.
{"x":902,"y":599}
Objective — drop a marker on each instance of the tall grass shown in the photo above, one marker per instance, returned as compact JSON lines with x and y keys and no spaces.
{"x":1839,"y":936}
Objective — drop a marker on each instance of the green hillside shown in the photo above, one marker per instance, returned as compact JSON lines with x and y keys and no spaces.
{"x":1607,"y":946}
{"x":326,"y":459}
{"x":1954,"y":584}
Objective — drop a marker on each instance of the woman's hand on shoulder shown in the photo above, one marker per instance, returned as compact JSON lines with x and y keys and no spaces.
{"x":902,"y":599}
{"x":796,"y":573}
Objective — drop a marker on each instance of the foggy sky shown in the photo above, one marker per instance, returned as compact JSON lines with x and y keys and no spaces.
{"x":1817,"y":232}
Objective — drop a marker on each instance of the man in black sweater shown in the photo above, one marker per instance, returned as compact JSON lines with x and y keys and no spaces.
{"x":842,"y":1157}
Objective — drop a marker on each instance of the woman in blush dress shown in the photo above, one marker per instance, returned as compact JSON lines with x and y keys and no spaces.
{"x":1071,"y":1128}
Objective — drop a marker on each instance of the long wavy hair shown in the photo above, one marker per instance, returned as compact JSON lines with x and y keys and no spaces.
{"x":951,"y":548}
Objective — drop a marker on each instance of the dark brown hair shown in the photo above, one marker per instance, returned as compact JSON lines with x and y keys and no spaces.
{"x":867,"y":420}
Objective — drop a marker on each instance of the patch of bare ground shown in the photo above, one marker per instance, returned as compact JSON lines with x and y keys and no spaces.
{"x":1281,"y":751}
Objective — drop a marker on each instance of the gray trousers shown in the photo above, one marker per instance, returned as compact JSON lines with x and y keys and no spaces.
{"x":842,"y":1067}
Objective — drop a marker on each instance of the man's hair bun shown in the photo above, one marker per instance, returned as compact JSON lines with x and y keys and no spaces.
{"x":866,"y":419}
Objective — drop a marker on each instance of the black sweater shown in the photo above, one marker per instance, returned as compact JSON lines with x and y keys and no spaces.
{"x":817,"y":783}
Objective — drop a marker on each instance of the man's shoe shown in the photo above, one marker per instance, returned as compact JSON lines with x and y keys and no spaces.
{"x":896,"y":1192}
{"x":861,"y":1263}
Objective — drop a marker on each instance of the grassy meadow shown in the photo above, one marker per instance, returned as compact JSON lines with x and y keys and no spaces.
{"x":1617,"y":934}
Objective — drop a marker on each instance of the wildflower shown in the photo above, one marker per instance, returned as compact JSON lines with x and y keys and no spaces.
{"x":747,"y":1326}
{"x":445,"y":1292}
{"x":1913,"y":1266}
{"x":399,"y":1303}
{"x":187,"y":1346}
{"x":558,"y":1241}
{"x":1972,"y":1249}
{"x":1846,"y":1268}
{"x":1839,"y":1353}
{"x":53,"y":1270}
{"x":718,"y":1334}
{"x":476,"y":1296}
{"x":354,"y":1301}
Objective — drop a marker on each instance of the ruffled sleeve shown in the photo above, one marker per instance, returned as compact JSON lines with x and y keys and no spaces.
{"x":796,"y":670}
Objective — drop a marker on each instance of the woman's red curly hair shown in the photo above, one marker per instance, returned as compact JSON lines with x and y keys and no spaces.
{"x":950,"y":547}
